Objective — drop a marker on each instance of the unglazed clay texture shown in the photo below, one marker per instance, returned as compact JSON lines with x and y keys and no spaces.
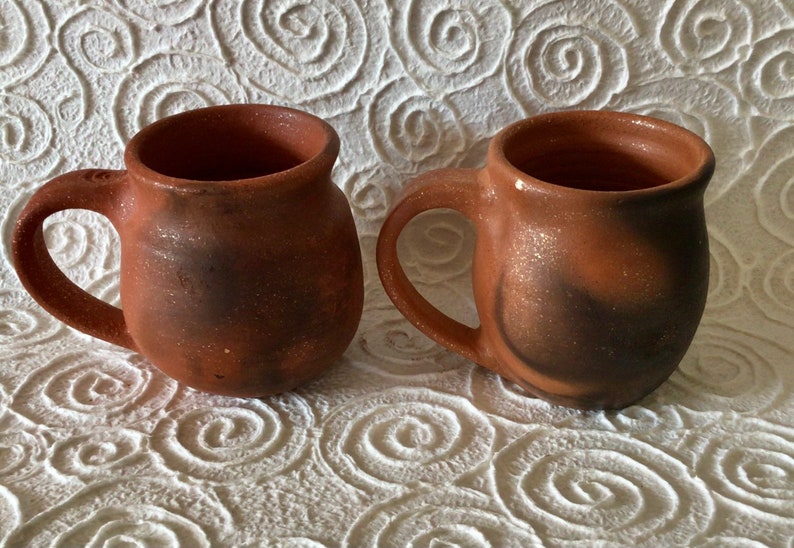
{"x":590,"y":271}
{"x":401,"y":441}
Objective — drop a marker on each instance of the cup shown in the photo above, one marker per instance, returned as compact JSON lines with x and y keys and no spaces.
{"x":591,"y":264}
{"x":241,"y":270}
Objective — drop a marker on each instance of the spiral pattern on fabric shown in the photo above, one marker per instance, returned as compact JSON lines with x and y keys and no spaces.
{"x":446,"y":516}
{"x":124,"y":512}
{"x":726,"y":371}
{"x":25,"y":129}
{"x":779,"y":281}
{"x":706,"y":35}
{"x":23,"y":40}
{"x":449,"y":45}
{"x":171,"y":12}
{"x":573,"y":484}
{"x":774,"y":191}
{"x":752,"y":466}
{"x":411,"y":131}
{"x":10,"y":513}
{"x":402,"y":436}
{"x":94,"y":40}
{"x":100,"y":455}
{"x":570,"y":54}
{"x":768,"y":75}
{"x":725,"y":273}
{"x":169,"y":83}
{"x":235,"y":439}
{"x":23,"y":323}
{"x":305,"y":52}
{"x":100,"y":389}
{"x":21,"y":455}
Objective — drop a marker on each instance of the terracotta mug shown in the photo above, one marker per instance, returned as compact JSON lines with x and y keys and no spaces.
{"x":241,"y":270}
{"x":591,"y":264}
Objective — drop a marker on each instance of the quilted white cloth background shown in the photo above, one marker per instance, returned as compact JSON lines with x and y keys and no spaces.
{"x":401,"y":443}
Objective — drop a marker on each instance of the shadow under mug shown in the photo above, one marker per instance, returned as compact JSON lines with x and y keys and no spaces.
{"x":591,"y":263}
{"x":241,"y":270}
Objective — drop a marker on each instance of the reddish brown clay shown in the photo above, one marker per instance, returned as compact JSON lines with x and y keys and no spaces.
{"x":240,"y":266}
{"x":590,"y":271}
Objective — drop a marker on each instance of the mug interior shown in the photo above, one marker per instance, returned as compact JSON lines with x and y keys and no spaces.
{"x":604,"y":151}
{"x":230,"y":143}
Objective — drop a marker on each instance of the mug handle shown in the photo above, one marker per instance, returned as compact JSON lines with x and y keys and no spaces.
{"x":453,"y":188}
{"x":91,"y":189}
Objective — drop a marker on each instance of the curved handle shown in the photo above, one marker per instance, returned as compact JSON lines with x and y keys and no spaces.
{"x":444,"y":188}
{"x":95,"y":190}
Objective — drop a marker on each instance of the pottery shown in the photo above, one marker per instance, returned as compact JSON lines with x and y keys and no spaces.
{"x":241,"y":270}
{"x":591,"y":265}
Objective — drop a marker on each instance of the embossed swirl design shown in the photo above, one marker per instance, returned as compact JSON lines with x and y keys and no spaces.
{"x":570,"y":54}
{"x":388,"y":344}
{"x":234,"y":439}
{"x":724,"y":370}
{"x":23,"y":46}
{"x":411,"y":131}
{"x":102,"y":388}
{"x":168,"y":83}
{"x":138,"y":512}
{"x":294,"y":34}
{"x":438,"y":246}
{"x":447,"y":516}
{"x":143,"y":525}
{"x":295,"y":542}
{"x":297,"y":50}
{"x":97,"y":41}
{"x":84,"y":244}
{"x":370,"y":193}
{"x":752,"y":467}
{"x":707,"y":35}
{"x":726,"y":276}
{"x":779,"y":281}
{"x":21,"y":455}
{"x":730,"y":542}
{"x":105,"y":454}
{"x":573,"y":484}
{"x":640,"y":419}
{"x":767,"y":75}
{"x":10,"y":515}
{"x":388,"y":440}
{"x":22,"y":322}
{"x":449,"y":45}
{"x":170,"y":12}
{"x":25,"y":130}
{"x":774,"y":191}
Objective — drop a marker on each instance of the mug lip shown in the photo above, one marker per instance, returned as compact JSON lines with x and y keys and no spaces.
{"x":697,"y":178}
{"x":317,"y":166}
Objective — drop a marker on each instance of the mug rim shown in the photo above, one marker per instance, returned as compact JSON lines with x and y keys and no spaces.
{"x":696,"y":178}
{"x":316,"y":166}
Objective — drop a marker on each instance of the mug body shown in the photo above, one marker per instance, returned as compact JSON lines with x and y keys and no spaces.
{"x":591,"y":272}
{"x":241,"y":269}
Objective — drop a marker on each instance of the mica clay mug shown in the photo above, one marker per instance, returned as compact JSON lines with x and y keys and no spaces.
{"x":590,"y":269}
{"x":241,"y":270}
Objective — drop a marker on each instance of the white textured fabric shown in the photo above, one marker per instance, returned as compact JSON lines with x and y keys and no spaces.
{"x":401,"y":443}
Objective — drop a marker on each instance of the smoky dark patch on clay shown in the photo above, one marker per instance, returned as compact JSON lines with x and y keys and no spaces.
{"x":677,"y":233}
{"x":214,"y":288}
{"x":596,"y":337}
